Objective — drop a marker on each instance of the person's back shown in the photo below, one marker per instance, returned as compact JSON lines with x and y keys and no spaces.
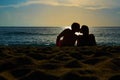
{"x":69,"y":38}
{"x":86,"y":39}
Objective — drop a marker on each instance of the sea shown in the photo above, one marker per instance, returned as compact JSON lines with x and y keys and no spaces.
{"x":46,"y":36}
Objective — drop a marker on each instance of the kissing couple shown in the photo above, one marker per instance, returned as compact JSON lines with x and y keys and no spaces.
{"x":68,"y":37}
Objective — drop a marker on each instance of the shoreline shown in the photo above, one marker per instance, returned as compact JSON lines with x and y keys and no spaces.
{"x":59,"y":63}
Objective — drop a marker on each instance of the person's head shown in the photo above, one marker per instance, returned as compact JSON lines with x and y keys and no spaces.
{"x":85,"y":30}
{"x":75,"y":27}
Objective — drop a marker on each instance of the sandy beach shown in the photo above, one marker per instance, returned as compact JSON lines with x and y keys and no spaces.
{"x":59,"y":63}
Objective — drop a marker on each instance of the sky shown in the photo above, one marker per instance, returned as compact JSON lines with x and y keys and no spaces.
{"x":59,"y":12}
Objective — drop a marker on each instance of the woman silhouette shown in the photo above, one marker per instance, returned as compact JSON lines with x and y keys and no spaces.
{"x":86,"y":39}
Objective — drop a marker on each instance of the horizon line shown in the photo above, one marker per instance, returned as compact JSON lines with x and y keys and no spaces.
{"x":55,"y":26}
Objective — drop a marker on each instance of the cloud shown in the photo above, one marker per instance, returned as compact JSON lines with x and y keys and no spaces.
{"x":45,"y":2}
{"x":87,"y":4}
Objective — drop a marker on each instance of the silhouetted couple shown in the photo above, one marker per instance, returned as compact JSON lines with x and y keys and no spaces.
{"x":69,"y":38}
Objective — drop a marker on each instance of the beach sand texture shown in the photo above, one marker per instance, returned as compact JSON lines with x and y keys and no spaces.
{"x":59,"y":63}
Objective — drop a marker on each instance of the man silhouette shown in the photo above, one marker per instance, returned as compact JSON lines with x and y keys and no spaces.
{"x":67,"y":37}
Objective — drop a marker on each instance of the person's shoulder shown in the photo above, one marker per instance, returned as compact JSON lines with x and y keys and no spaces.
{"x":66,"y":30}
{"x":91,"y":35}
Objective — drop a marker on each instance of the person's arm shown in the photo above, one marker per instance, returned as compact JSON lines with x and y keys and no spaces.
{"x":59,"y":36}
{"x":57,"y":40}
{"x":93,"y":40}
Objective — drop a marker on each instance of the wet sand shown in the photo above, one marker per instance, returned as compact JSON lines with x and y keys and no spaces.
{"x":59,"y":63}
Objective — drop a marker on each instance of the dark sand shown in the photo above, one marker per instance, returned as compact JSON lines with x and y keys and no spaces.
{"x":55,"y":63}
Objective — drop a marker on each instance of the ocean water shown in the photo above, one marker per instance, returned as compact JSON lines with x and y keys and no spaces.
{"x":46,"y":36}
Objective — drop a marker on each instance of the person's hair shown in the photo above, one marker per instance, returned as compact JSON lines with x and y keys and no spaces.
{"x":85,"y":29}
{"x":75,"y":26}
